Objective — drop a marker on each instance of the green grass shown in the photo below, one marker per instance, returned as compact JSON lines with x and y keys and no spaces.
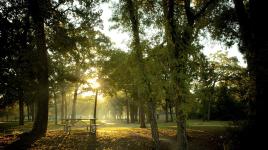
{"x":209,"y":126}
{"x":191,"y":123}
{"x":196,"y":123}
{"x":214,"y":127}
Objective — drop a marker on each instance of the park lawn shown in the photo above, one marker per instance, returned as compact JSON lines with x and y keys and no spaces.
{"x":121,"y":136}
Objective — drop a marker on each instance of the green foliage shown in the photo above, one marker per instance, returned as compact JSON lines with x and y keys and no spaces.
{"x":225,"y":85}
{"x":72,"y":40}
{"x":16,"y":53}
{"x":223,"y":23}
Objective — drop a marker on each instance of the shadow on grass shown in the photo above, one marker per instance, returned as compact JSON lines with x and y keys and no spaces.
{"x":92,"y":142}
{"x":24,"y":141}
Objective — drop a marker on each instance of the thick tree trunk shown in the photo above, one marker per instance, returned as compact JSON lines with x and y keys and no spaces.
{"x":74,"y":102}
{"x":253,"y":31}
{"x":41,"y":119}
{"x":260,"y":48}
{"x":154,"y":127}
{"x":178,"y":45}
{"x":181,"y":128}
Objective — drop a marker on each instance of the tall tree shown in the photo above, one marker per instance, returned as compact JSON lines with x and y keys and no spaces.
{"x":240,"y":21}
{"x":38,"y":11}
{"x":179,"y":46}
{"x":134,"y":19}
{"x":254,"y":45}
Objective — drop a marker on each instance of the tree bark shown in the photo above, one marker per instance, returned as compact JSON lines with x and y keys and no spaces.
{"x":154,"y":127}
{"x":181,"y":128}
{"x":38,"y":11}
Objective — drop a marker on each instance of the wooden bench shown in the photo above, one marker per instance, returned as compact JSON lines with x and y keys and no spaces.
{"x":69,"y":123}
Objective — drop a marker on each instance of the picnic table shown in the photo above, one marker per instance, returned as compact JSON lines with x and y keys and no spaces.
{"x":68,"y":123}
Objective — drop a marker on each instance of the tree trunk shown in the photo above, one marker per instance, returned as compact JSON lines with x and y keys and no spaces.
{"x":208,"y":114}
{"x":154,"y":127}
{"x":38,"y":9}
{"x":253,"y":34}
{"x":63,"y":100}
{"x":177,"y":49}
{"x":95,"y":105}
{"x":134,"y":18}
{"x":181,"y":128}
{"x":74,"y":101}
{"x":28,"y":112}
{"x":142,"y":116}
{"x":127,"y":108}
{"x":166,"y":109}
{"x":260,"y":48}
{"x":33,"y":110}
{"x":135,"y":113}
{"x":66,"y":106}
{"x":170,"y":111}
{"x":132,"y":113}
{"x":21,"y":108}
{"x":56,"y":108}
